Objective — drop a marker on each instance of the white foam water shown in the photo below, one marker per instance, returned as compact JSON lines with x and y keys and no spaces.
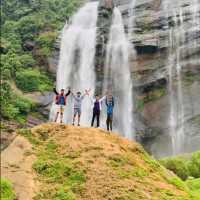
{"x":118,"y":77}
{"x":76,"y":62}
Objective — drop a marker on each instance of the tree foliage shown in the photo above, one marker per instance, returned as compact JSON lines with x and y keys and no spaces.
{"x":35,"y":22}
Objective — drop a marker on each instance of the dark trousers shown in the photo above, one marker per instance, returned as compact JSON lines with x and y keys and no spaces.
{"x":96,"y":114}
{"x":109,"y":121}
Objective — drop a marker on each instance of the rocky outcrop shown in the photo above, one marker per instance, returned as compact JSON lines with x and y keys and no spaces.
{"x":150,"y":26}
{"x":154,"y":27}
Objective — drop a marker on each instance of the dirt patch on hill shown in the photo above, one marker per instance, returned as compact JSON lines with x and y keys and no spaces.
{"x":16,"y":166}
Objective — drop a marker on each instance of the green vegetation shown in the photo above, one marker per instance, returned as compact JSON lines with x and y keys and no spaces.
{"x":149,"y":97}
{"x":188,"y":169}
{"x":7,"y":192}
{"x":189,"y":78}
{"x":29,"y":30}
{"x":14,"y":107}
{"x":55,"y":169}
{"x":194,"y":186}
{"x":32,"y":80}
{"x":184,"y":167}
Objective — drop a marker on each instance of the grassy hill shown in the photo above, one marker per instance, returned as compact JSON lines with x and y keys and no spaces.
{"x":87,"y":163}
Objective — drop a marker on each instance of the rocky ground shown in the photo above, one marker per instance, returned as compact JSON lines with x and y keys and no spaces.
{"x":16,"y":166}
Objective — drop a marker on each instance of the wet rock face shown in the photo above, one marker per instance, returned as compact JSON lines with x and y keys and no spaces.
{"x":156,"y":24}
{"x":104,"y":21}
{"x":154,"y":28}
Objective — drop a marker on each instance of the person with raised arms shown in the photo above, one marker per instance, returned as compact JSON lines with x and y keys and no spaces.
{"x":97,"y":105}
{"x":110,"y":106}
{"x":78,"y":98}
{"x":60,"y":101}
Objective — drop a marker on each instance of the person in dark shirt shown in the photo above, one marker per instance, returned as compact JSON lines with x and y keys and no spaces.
{"x":97,"y":101}
{"x":61,"y":102}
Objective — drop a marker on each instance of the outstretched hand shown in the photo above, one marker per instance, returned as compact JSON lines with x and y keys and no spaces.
{"x":88,"y":92}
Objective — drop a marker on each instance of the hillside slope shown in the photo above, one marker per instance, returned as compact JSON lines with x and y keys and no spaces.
{"x":87,"y":163}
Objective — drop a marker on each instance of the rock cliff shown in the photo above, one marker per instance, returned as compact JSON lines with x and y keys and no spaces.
{"x":164,"y":35}
{"x":151,"y":26}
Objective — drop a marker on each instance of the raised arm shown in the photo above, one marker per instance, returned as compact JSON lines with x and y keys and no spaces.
{"x":68,"y":93}
{"x":55,"y":91}
{"x":87,"y":92}
{"x":113,"y":101}
{"x":73,"y":95}
{"x":102,"y":99}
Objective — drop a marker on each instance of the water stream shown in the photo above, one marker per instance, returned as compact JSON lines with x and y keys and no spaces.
{"x":76,"y":63}
{"x":118,"y":77}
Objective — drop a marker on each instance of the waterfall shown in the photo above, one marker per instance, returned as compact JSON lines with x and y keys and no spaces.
{"x":177,"y":50}
{"x":176,"y":118}
{"x":76,"y":62}
{"x":118,"y":77}
{"x":131,"y":14}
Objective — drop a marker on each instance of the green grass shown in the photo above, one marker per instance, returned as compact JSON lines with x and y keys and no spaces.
{"x":7,"y":192}
{"x":188,"y":169}
{"x":194,"y":186}
{"x":59,"y":171}
{"x":28,"y":134}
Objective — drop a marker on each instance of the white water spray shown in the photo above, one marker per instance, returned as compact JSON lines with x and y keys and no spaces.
{"x":76,"y":63}
{"x":177,"y":50}
{"x":131,"y":22}
{"x":118,"y":77}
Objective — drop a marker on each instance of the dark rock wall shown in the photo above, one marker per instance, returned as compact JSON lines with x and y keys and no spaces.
{"x":151,"y":40}
{"x":149,"y":66}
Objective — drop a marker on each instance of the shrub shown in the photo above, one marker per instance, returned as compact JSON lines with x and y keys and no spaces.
{"x":184,"y":167}
{"x":29,"y":26}
{"x":177,"y":165}
{"x":7,"y":192}
{"x":13,"y":106}
{"x":194,"y":165}
{"x":27,"y":60}
{"x":10,"y":111}
{"x":24,"y":105}
{"x":46,"y":41}
{"x":32,"y":80}
{"x":194,"y":186}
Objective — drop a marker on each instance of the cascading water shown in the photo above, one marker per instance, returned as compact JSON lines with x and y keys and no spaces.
{"x":176,"y":118}
{"x":178,"y":49}
{"x":131,"y":22}
{"x":76,"y":63}
{"x":117,"y":76}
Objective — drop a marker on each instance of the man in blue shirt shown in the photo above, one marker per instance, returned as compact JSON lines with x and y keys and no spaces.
{"x":110,"y":106}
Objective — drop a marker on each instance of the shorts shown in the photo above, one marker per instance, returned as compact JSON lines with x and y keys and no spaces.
{"x":61,"y":108}
{"x":77,"y":111}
